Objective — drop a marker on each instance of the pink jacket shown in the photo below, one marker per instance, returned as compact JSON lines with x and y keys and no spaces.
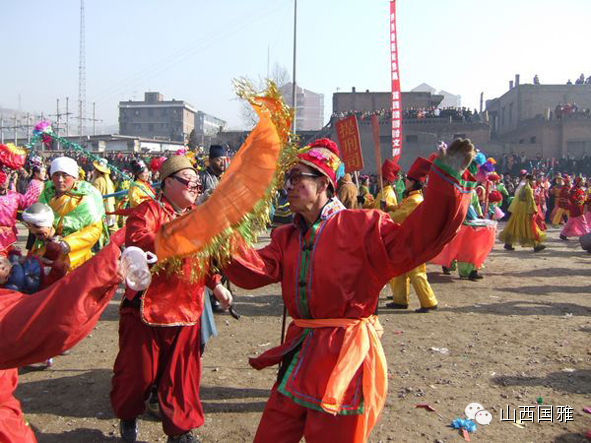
{"x":10,"y":203}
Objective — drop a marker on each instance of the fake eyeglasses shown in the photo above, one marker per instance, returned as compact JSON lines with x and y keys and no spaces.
{"x":192,"y":185}
{"x":295,"y":176}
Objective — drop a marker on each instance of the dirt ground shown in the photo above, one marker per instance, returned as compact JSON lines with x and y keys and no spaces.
{"x":520,"y":334}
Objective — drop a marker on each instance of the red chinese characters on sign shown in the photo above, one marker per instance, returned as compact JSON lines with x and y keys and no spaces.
{"x":396,"y":109}
{"x":350,"y":143}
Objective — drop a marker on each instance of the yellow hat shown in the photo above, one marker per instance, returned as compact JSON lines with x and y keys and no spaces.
{"x":175,"y":164}
{"x":102,"y":165}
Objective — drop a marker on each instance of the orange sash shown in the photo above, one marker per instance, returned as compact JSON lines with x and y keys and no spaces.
{"x":361,"y":346}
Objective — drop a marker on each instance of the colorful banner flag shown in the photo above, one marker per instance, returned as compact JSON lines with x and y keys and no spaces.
{"x":396,"y":109}
{"x":350,"y":143}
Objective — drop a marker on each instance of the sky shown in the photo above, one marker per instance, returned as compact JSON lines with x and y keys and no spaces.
{"x":192,"y":49}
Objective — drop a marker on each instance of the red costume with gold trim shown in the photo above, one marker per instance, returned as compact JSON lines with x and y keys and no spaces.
{"x":335,"y":269}
{"x":159,"y":334}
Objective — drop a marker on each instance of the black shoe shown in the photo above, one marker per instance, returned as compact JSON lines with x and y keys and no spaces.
{"x":425,"y":310}
{"x":563,"y":237}
{"x":446,"y":271}
{"x":128,"y":429}
{"x":396,"y":306}
{"x":509,"y":247}
{"x":185,"y":438}
{"x":539,"y":248}
{"x":474,"y":275}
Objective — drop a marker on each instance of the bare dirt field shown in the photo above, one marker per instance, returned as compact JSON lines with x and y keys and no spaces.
{"x":520,"y":334}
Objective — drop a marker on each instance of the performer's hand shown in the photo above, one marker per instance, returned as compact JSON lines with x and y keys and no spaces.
{"x":52,"y":250}
{"x":224,"y":296}
{"x":120,"y":272}
{"x":458,"y":154}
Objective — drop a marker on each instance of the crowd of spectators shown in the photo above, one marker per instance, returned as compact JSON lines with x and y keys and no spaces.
{"x":581,"y":80}
{"x":455,"y":114}
{"x":513,"y":163}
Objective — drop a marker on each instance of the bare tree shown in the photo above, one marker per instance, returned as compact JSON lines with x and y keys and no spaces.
{"x":280,"y":76}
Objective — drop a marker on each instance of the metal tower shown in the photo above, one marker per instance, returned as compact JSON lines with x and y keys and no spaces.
{"x":82,"y":75}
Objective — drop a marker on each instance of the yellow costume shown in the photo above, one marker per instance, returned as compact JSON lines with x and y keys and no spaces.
{"x":418,"y":276}
{"x":105,"y":186}
{"x":140,"y":191}
{"x":391,"y":201}
{"x":522,"y":227}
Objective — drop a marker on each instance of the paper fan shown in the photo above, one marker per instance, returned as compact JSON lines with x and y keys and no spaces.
{"x":12,"y":156}
{"x":238,"y":209}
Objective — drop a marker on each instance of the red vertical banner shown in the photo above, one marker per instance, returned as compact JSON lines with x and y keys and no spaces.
{"x":396,"y":109}
{"x":350,"y":143}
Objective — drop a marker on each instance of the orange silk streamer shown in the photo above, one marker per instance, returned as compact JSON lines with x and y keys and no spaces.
{"x":361,"y":346}
{"x":244,"y":183}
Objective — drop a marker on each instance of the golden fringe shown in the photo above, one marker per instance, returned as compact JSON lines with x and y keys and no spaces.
{"x":220,"y":249}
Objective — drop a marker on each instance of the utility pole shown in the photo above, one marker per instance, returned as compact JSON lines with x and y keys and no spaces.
{"x":82,"y":75}
{"x":293,"y":86}
{"x":28,"y":127}
{"x":57,"y":116}
{"x":67,"y":117}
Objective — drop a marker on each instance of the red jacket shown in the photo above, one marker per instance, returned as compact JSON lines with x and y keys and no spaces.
{"x":336,"y":269}
{"x":577,"y":202}
{"x":38,"y":326}
{"x":169,"y":300}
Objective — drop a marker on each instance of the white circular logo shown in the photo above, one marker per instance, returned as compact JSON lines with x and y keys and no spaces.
{"x":483,"y":417}
{"x":472,"y":409}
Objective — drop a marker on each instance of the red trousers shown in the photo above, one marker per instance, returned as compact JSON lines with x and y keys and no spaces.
{"x":284,"y":421}
{"x":12,"y":423}
{"x":167,"y":356}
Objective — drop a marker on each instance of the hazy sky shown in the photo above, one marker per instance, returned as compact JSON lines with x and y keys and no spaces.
{"x":192,"y":49}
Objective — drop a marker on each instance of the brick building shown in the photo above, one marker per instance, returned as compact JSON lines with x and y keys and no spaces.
{"x":157,"y":118}
{"x":419,"y":136}
{"x":528,"y":119}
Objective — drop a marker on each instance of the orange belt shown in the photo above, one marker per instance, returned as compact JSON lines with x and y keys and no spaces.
{"x":361,"y":346}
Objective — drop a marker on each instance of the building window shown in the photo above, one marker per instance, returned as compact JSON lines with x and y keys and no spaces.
{"x":412,"y":138}
{"x":532,"y":140}
{"x":150,"y":112}
{"x":137,"y":126}
{"x":150,"y":126}
{"x":164,"y":112}
{"x":136,"y":112}
{"x":123,"y":127}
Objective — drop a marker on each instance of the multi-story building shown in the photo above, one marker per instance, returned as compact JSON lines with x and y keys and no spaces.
{"x":207,"y":126}
{"x":546,"y":120}
{"x":309,"y":107}
{"x":157,"y":118}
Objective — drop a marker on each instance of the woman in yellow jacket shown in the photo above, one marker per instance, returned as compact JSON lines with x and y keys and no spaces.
{"x":415,"y":179}
{"x":102,"y":181}
{"x":140,"y":190}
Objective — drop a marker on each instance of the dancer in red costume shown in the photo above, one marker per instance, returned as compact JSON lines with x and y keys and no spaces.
{"x":332,"y":264}
{"x":36,"y":327}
